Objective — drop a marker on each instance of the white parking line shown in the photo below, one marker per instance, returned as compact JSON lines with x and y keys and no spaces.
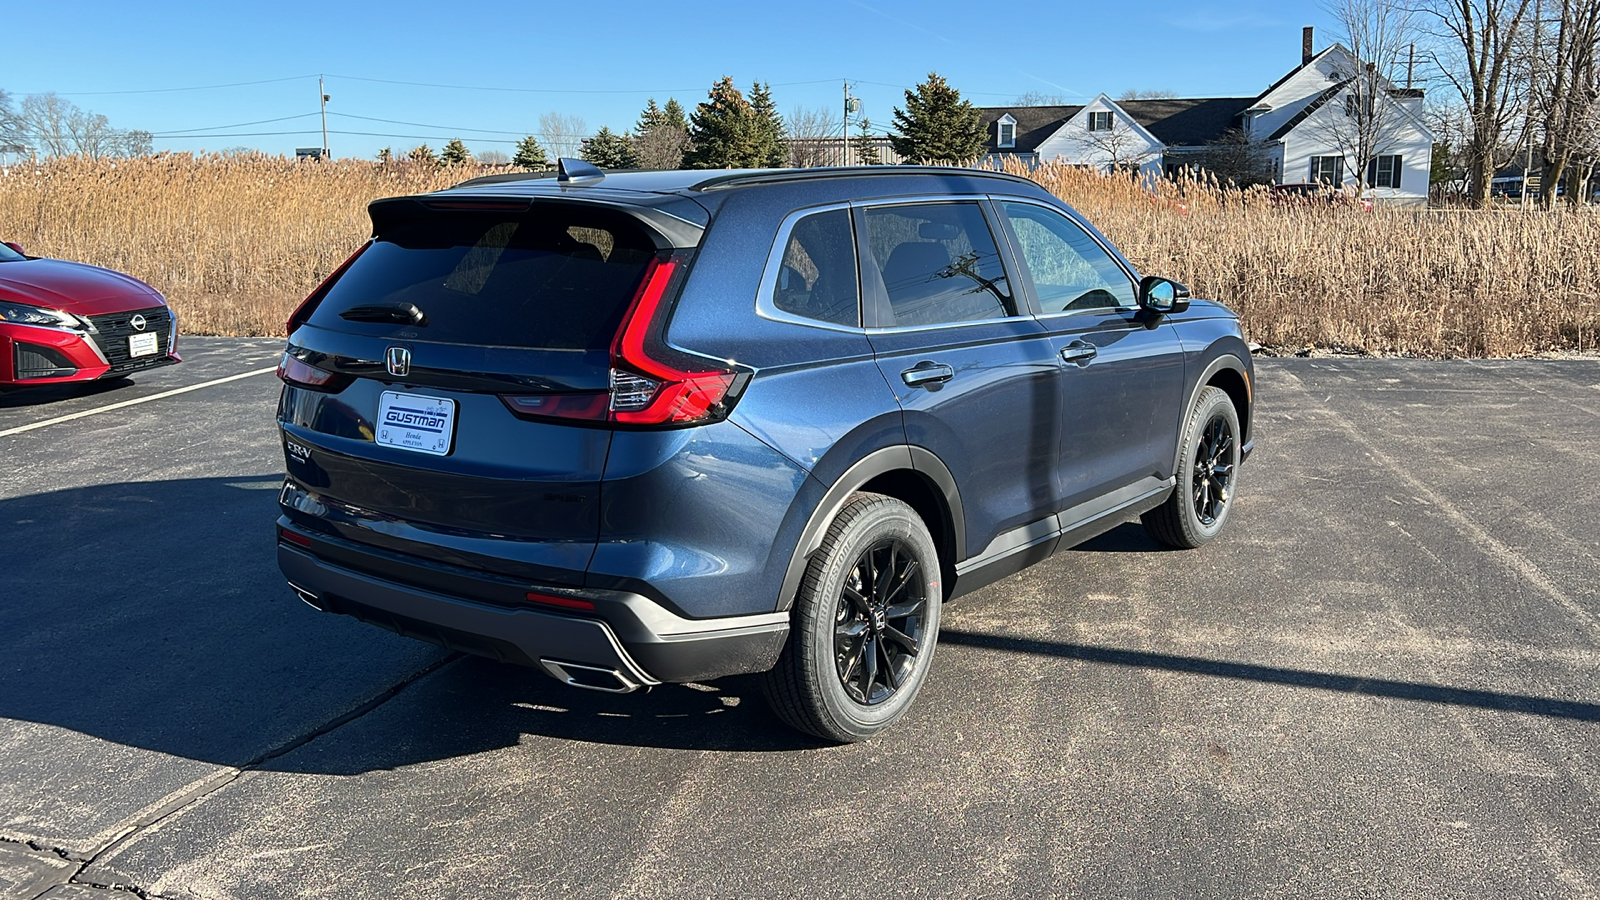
{"x":100,"y":409}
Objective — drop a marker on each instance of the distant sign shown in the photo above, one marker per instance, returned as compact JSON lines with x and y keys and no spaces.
{"x":311,"y":153}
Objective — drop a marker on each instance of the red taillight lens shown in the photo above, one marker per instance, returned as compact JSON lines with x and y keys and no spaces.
{"x":301,"y":374}
{"x":651,"y":383}
{"x":559,"y":600}
{"x":304,"y":310}
{"x":298,"y":540}
{"x":593,"y":406}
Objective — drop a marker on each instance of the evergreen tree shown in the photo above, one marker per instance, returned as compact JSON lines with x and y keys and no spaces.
{"x":652,"y":118}
{"x":530,"y":155}
{"x":937,"y":125}
{"x":423,"y":154}
{"x":725,"y":131}
{"x":385,"y":156}
{"x":609,"y":150}
{"x":865,"y":147}
{"x":772,"y":144}
{"x":673,"y":114}
{"x":455,"y":153}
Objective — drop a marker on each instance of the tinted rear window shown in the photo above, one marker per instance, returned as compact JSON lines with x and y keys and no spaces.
{"x":558,"y":278}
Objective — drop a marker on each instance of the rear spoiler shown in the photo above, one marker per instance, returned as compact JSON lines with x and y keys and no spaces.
{"x":667,"y":231}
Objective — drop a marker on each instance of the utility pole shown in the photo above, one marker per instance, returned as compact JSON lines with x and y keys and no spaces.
{"x":1411,"y":65}
{"x":322,"y":92}
{"x":851,"y":105}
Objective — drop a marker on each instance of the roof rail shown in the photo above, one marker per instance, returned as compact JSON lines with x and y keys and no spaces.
{"x":769,"y":176}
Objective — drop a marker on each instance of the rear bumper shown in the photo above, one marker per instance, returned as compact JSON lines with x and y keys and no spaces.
{"x":629,"y":642}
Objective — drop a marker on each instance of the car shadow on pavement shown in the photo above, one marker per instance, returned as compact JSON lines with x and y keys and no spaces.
{"x":1374,"y":687}
{"x":55,"y":393}
{"x":153,"y":615}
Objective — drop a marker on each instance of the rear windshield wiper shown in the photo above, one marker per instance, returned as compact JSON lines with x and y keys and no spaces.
{"x":402,"y":313}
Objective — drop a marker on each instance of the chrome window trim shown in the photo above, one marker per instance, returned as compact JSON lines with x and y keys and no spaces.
{"x":1132,"y":276}
{"x":766,"y":309}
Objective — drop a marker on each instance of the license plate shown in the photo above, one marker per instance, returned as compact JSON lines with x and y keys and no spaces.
{"x":142,"y":344}
{"x":416,"y":422}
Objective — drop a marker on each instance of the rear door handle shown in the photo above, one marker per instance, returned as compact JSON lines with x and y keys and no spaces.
{"x":927,"y":373}
{"x":1079,"y":352}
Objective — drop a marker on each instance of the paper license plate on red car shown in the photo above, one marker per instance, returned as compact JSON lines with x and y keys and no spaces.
{"x":416,"y":422}
{"x":142,"y":344}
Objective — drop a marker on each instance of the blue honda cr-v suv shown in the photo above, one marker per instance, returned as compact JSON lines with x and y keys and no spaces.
{"x":669,"y":426}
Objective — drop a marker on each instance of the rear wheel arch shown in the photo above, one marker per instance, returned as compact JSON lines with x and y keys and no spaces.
{"x":913,"y":475}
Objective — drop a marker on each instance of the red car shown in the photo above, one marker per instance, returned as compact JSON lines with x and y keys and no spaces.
{"x":64,"y":321}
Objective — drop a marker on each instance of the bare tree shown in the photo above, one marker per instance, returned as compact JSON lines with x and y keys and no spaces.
{"x":563,"y":134}
{"x":1158,"y":94}
{"x":1040,"y":98}
{"x":45,"y":117}
{"x":1119,"y":145}
{"x":1362,"y":119}
{"x":809,"y":133}
{"x":1234,"y":158}
{"x":494,"y":158}
{"x":1478,"y":56}
{"x":1565,"y":90}
{"x":13,"y":133}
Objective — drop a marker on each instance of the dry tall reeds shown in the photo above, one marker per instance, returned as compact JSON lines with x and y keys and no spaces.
{"x":235,"y":242}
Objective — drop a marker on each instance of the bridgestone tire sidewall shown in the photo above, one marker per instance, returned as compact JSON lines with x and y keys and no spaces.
{"x":885,"y":519}
{"x":1210,"y":403}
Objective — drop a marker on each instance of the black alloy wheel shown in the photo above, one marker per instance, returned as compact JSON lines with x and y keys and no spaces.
{"x":1207,"y":474}
{"x":864,"y":624}
{"x":879,"y":622}
{"x":1213,"y":470}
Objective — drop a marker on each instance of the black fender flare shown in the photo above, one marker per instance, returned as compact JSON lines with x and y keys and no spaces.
{"x":1224,"y":361}
{"x":902,"y":457}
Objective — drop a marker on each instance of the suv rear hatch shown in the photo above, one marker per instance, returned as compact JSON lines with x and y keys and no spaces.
{"x":451,"y":391}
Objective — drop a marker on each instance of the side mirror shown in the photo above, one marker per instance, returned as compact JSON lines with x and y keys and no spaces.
{"x":16,"y":246}
{"x":1161,"y":296}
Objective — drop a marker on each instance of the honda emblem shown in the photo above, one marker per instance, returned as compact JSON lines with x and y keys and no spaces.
{"x":398,"y":362}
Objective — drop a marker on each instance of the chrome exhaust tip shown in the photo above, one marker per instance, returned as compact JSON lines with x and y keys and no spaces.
{"x":590,"y":678}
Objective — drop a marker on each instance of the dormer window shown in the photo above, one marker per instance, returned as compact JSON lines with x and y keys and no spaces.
{"x":1006,"y":132}
{"x":1100,"y":121}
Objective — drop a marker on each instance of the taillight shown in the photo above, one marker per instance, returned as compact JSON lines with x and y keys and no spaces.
{"x":302,"y":374}
{"x":652,"y":384}
{"x":307,"y":306}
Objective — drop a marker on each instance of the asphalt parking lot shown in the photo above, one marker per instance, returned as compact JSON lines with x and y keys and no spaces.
{"x":1384,"y":681}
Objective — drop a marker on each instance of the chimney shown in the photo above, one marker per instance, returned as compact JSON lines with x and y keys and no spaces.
{"x":1305,"y":45}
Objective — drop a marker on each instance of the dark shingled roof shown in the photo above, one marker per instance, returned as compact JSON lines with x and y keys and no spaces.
{"x":1034,"y":124}
{"x":1175,"y":122}
{"x":1187,"y":123}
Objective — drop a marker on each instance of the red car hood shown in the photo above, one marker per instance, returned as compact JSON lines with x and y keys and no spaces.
{"x":74,"y":287}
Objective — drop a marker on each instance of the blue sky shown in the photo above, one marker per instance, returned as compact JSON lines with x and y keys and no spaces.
{"x":601,"y":62}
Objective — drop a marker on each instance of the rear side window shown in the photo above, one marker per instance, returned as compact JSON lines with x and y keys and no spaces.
{"x":938,"y":263}
{"x":817,"y":279}
{"x":559,"y":278}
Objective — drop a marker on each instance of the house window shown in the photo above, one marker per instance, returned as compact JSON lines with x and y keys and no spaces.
{"x":1008,"y":133}
{"x":1384,"y":171}
{"x":1100,"y":121}
{"x":1354,"y":107}
{"x":1327,"y":169}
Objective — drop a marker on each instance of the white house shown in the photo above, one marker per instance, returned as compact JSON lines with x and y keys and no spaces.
{"x":1315,"y":124}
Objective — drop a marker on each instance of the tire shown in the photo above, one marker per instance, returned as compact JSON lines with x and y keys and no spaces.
{"x":1207,"y":475}
{"x":858,"y":652}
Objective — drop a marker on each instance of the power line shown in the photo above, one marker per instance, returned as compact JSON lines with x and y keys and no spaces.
{"x":425,"y":125}
{"x":179,"y":131}
{"x":520,"y":90}
{"x":199,"y":87}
